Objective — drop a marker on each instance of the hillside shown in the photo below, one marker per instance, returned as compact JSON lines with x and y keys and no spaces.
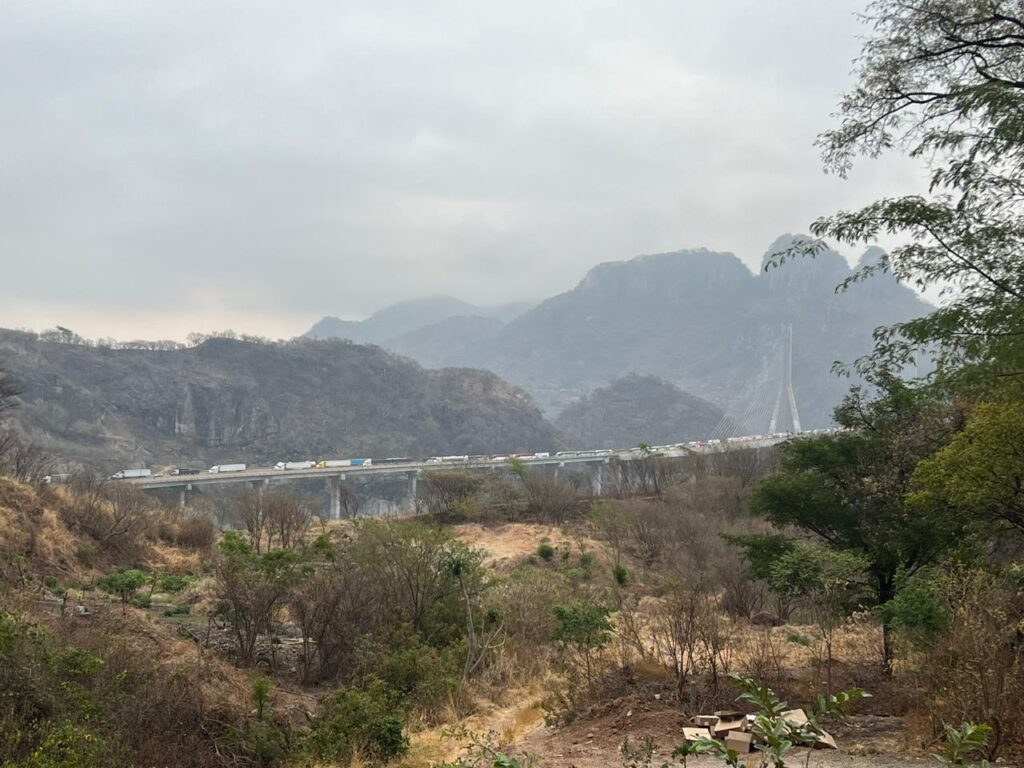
{"x":637,"y":409}
{"x":231,"y":400}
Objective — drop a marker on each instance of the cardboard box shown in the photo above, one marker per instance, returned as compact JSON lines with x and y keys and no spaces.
{"x":724,"y":726}
{"x":729,"y":714}
{"x":795,"y":716}
{"x":704,"y":721}
{"x":739,"y":742}
{"x":696,"y":734}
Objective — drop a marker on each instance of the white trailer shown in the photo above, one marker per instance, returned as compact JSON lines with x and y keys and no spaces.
{"x":227,"y":468}
{"x":332,"y":463}
{"x":127,"y":473}
{"x":294,"y":465}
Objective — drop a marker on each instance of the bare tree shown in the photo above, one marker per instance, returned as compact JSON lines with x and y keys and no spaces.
{"x":446,"y":493}
{"x":250,"y":510}
{"x":9,"y":391}
{"x":130,"y":510}
{"x":287,"y":518}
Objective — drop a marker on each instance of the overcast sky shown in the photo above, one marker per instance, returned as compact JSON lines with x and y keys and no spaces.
{"x":170,"y":167}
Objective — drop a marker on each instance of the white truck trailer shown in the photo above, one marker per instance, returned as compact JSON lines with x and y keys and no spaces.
{"x":227,"y":468}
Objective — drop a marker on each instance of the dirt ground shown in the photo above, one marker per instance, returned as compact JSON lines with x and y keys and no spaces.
{"x":593,"y":742}
{"x":506,"y":544}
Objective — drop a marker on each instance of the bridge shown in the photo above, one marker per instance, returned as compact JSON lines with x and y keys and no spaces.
{"x":595,"y":463}
{"x":769,"y":403}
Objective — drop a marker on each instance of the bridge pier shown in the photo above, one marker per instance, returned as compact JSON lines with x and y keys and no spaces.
{"x":413,"y":478}
{"x":596,"y":486}
{"x":183,"y":496}
{"x":334,"y":497}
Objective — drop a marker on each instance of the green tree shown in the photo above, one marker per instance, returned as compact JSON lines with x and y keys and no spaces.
{"x":370,"y":723}
{"x":253,"y":586}
{"x":409,"y":564}
{"x":849,"y":490}
{"x":941,"y":80}
{"x":583,"y":629}
{"x":981,"y":471}
{"x":124,"y":583}
{"x":828,"y":584}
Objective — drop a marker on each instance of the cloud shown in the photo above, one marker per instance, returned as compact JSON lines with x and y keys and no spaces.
{"x":193,"y":163}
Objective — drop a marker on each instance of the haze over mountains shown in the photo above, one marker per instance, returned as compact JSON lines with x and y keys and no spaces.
{"x":657,"y":349}
{"x":698,"y":319}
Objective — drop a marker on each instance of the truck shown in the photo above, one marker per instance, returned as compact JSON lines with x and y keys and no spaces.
{"x":361,"y":462}
{"x":227,"y":468}
{"x":185,"y":471}
{"x":125,"y":474}
{"x":332,"y":463}
{"x":294,"y":465}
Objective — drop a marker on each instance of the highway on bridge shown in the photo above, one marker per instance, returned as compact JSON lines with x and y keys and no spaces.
{"x":563,"y":459}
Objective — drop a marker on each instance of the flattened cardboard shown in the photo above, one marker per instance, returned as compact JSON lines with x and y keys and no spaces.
{"x":825,"y":741}
{"x":695,"y":734}
{"x":729,"y":714}
{"x":739,"y":742}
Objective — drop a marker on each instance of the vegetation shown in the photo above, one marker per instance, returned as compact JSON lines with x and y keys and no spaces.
{"x":295,"y":643}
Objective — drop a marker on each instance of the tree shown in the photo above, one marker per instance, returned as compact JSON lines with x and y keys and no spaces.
{"x":9,"y":391}
{"x":129,"y":512}
{"x":849,"y":490}
{"x":583,"y":629}
{"x":941,"y":80}
{"x":287,"y":518}
{"x":408,"y":563}
{"x":123,"y":583}
{"x":828,"y":584}
{"x":449,"y":492}
{"x":981,"y":471}
{"x":253,"y":586}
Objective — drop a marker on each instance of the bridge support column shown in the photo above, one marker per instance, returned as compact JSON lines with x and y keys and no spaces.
{"x":183,"y":496}
{"x":558,"y":467}
{"x":413,"y":478}
{"x":596,"y":486}
{"x":334,"y":495}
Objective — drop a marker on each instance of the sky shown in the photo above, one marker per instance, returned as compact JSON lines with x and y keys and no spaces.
{"x":195,"y":166}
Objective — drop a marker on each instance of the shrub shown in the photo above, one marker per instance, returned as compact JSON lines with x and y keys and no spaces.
{"x":70,"y":746}
{"x":423,"y":676}
{"x":173,"y":583}
{"x":351,"y":721}
{"x":86,"y":554}
{"x":123,"y":583}
{"x":195,"y":533}
{"x":142,"y":601}
{"x":177,"y":610}
{"x":621,"y":575}
{"x":545,"y":551}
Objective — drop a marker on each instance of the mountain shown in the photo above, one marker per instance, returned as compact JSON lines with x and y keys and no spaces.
{"x":406,"y":317}
{"x":702,"y":321}
{"x":698,"y":319}
{"x":637,"y":409}
{"x":227,"y":400}
{"x":447,"y":342}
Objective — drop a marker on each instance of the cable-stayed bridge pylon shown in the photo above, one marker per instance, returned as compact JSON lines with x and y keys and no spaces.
{"x":769,"y":405}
